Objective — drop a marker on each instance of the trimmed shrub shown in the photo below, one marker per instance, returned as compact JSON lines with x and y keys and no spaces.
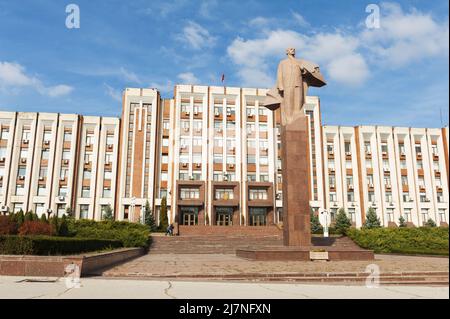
{"x":7,"y":226}
{"x":163,"y":219}
{"x":430,"y":223}
{"x":401,"y":222}
{"x":130,"y":234}
{"x":423,"y":240}
{"x":35,"y":228}
{"x":316,"y":228}
{"x":63,"y":229}
{"x":45,"y":246}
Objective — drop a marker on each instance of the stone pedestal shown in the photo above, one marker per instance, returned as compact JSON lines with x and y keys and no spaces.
{"x":296,"y":183}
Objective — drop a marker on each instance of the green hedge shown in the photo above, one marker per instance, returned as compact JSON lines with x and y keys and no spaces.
{"x":423,"y":240}
{"x":129,"y":234}
{"x":45,"y":245}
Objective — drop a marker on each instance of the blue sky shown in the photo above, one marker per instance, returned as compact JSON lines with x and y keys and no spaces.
{"x":396,"y":75}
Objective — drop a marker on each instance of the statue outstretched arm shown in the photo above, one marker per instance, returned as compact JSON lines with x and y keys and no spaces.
{"x":280,"y":86}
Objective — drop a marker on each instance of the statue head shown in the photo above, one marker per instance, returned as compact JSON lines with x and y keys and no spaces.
{"x":290,"y":51}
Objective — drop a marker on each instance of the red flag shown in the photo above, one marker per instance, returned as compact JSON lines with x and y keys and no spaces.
{"x":223,"y":77}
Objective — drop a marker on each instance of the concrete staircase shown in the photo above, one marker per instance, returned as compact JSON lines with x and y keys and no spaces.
{"x":216,"y":240}
{"x":225,"y":240}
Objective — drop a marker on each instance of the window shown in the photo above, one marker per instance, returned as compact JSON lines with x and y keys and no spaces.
{"x":251,"y":177}
{"x":218,"y":176}
{"x":189,"y":193}
{"x":63,"y":173}
{"x":198,"y":126}
{"x":371,"y":197}
{"x":198,"y":108}
{"x":4,"y":134}
{"x":109,"y":139}
{"x":184,"y":175}
{"x":164,"y":176}
{"x":442,"y":217}
{"x":218,"y":158}
{"x":197,"y":158}
{"x":347,"y":147}
{"x":423,"y":198}
{"x":370,"y":181}
{"x":106,"y":192}
{"x":332,"y":181}
{"x":258,"y":194}
{"x":165,"y":142}
{"x":185,"y":107}
{"x":2,"y":152}
{"x":60,"y":209}
{"x":20,"y":190}
{"x":263,"y":127}
{"x":45,"y":154}
{"x":424,"y":215}
{"x":231,"y":160}
{"x":402,"y":149}
{"x":22,"y":171}
{"x":404,"y":180}
{"x":224,"y":194}
{"x":43,"y":172}
{"x":331,"y":164}
{"x":421,"y":182}
{"x":436,"y":166}
{"x":165,"y":159}
{"x":218,"y":126}
{"x":218,"y":109}
{"x":330,"y":148}
{"x":418,"y":149}
{"x":89,"y":139}
{"x":367,"y":147}
{"x":17,"y":207}
{"x":403,"y":164}
{"x":390,"y":215}
{"x":107,"y":175}
{"x":231,"y":125}
{"x":384,"y":148}
{"x":166,"y":124}
{"x":351,"y":197}
{"x":440,"y":197}
{"x":407,"y":215}
{"x":162,"y":193}
{"x":67,"y":136}
{"x":349,"y":180}
{"x":406,"y":197}
{"x":185,"y":125}
{"x":352,"y":214}
{"x":42,"y":190}
{"x":263,"y":160}
{"x":250,"y":128}
{"x":348,"y":165}
{"x":26,"y":135}
{"x":66,"y":155}
{"x":434,"y":150}
{"x":62,"y":191}
{"x":86,"y":174}
{"x":264,"y":177}
{"x":84,"y":211}
{"x":24,"y":153}
{"x":387,"y":181}
{"x":250,"y":111}
{"x":218,"y":142}
{"x":388,"y":197}
{"x":386,"y":166}
{"x":85,"y":192}
{"x":40,"y":209}
{"x":108,"y":158}
{"x":420,"y":164}
{"x":369,"y":164}
{"x":262,"y":110}
{"x":333,"y":197}
{"x":251,"y":159}
{"x":196,"y":176}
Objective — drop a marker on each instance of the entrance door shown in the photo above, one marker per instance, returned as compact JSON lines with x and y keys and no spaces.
{"x":258,"y":216}
{"x":189,"y":216}
{"x":224,"y":216}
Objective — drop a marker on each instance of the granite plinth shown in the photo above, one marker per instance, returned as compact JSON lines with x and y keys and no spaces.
{"x":302,"y":253}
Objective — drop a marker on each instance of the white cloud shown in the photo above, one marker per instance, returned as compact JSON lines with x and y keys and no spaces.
{"x":188,"y":78}
{"x":406,"y":37}
{"x":130,"y":76}
{"x":196,"y":36}
{"x":299,"y":19}
{"x":206,"y":8}
{"x":13,"y":76}
{"x":335,"y":53}
{"x":58,"y":90}
{"x":344,"y":58}
{"x":113,"y":93}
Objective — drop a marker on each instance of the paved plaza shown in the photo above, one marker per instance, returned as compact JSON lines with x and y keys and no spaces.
{"x":170,"y":265}
{"x":96,"y":288}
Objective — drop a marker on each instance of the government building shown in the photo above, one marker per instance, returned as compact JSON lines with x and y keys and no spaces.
{"x":214,"y":154}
